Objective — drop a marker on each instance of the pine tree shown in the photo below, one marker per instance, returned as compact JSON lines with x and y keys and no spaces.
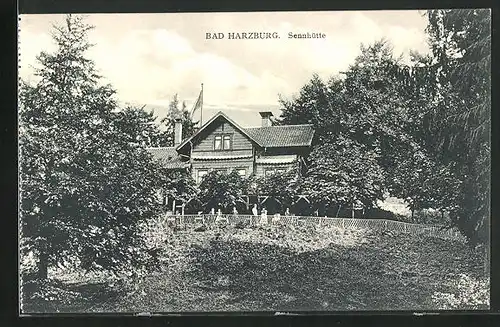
{"x":176,"y":111}
{"x":83,"y":186}
{"x":460,"y":40}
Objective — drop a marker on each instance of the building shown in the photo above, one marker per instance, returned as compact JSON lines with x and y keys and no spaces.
{"x":221,"y":144}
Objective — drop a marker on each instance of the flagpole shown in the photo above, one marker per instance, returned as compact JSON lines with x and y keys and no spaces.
{"x":201,"y":106}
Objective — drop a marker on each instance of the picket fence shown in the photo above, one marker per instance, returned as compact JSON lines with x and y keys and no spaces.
{"x":345,"y":223}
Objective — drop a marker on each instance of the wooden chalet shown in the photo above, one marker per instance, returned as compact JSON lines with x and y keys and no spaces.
{"x":221,"y":144}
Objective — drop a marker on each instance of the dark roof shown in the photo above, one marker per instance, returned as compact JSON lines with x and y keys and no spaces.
{"x":219,"y":114}
{"x":168,"y":157}
{"x":272,"y":136}
{"x":282,"y":136}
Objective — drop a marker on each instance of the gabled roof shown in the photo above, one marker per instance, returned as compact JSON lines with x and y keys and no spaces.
{"x":282,"y":136}
{"x":219,"y":114}
{"x":168,"y":156}
{"x":272,"y":136}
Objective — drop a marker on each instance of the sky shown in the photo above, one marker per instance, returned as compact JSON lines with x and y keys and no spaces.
{"x":150,"y":57}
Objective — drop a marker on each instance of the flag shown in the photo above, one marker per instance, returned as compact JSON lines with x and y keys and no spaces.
{"x":198,"y":104}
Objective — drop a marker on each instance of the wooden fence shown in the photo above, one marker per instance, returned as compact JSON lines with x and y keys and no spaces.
{"x":347,"y":223}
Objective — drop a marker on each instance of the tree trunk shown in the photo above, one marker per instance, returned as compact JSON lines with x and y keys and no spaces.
{"x":42,"y":266}
{"x":338,"y":210}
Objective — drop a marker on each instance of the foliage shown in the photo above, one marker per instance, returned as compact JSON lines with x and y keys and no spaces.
{"x":283,"y":186}
{"x":371,"y":110}
{"x":423,"y":183}
{"x":83,"y":186}
{"x":472,"y":294}
{"x":175,"y":112}
{"x":346,"y":172}
{"x":140,"y":127}
{"x":221,"y":190}
{"x":460,"y":117}
{"x":426,"y":124}
{"x":318,"y":103}
{"x":177,"y":184}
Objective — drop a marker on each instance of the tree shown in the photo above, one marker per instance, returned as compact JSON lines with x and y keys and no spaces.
{"x":423,"y":182}
{"x":221,"y":190}
{"x":460,"y":41}
{"x":282,"y":187}
{"x":369,"y":108}
{"x":83,"y":187}
{"x":174,"y":113}
{"x":346,"y":172}
{"x":319,"y":104}
{"x":178,"y":184}
{"x":141,"y":127}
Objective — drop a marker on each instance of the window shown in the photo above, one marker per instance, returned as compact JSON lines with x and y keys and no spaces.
{"x":242,"y":172}
{"x":218,"y":142}
{"x":227,"y":142}
{"x":269,"y":172}
{"x":222,"y":142}
{"x":272,"y":171}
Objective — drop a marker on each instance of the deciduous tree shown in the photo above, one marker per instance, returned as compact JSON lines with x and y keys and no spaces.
{"x":344,"y":173}
{"x":222,"y":190}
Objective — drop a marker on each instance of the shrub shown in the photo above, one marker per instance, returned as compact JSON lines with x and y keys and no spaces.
{"x":472,"y":294}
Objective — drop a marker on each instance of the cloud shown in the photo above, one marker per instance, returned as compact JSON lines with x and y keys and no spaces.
{"x":30,"y":44}
{"x":149,"y":58}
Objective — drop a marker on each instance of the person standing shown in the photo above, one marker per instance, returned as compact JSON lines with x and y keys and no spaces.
{"x":263,"y":217}
{"x":255,"y":212}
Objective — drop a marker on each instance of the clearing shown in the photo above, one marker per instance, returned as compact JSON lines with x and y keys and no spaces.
{"x":285,"y":268}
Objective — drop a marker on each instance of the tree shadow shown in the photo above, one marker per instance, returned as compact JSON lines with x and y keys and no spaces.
{"x":271,"y":277}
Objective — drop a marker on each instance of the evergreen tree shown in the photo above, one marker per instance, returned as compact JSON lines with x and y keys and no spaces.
{"x":178,"y":111}
{"x":83,"y":186}
{"x":141,"y":127}
{"x":460,"y":40}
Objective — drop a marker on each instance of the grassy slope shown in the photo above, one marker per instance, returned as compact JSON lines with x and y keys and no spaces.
{"x":301,"y":269}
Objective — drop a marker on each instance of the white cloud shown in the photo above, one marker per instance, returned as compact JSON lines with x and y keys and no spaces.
{"x":30,"y":45}
{"x":150,"y":58}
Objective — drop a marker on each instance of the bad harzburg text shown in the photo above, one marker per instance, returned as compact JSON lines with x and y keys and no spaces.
{"x":260,"y":35}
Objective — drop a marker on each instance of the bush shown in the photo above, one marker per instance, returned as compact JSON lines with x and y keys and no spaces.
{"x":472,"y":294}
{"x":431,"y":216}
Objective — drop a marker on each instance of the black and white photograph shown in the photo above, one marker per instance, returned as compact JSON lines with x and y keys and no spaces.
{"x":322,"y":161}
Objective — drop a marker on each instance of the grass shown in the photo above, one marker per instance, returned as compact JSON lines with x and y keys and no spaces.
{"x":287,"y":269}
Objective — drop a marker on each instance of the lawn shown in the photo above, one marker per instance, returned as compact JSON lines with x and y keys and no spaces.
{"x":289,"y":269}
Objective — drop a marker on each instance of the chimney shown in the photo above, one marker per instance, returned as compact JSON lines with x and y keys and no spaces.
{"x":266,"y":118}
{"x":178,"y":132}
